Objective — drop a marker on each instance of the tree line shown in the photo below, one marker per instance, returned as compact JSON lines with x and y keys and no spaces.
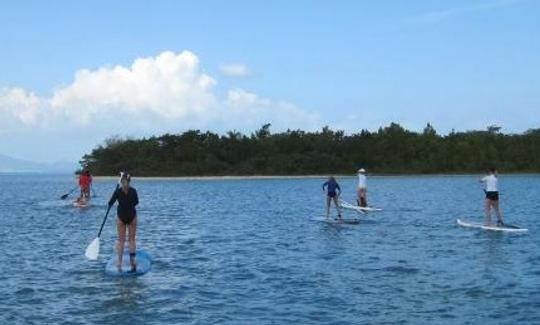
{"x":389,"y":150}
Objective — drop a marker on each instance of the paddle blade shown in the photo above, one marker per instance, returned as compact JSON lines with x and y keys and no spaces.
{"x":92,"y":251}
{"x":63,"y":197}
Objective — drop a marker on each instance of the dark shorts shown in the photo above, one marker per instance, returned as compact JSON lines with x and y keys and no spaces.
{"x":332,"y":194}
{"x":126,"y":220}
{"x":493,"y":196}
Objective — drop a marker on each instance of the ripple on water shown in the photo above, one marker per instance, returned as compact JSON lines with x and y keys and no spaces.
{"x":246,"y":251}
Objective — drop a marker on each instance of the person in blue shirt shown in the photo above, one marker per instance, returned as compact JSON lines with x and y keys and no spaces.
{"x":332,"y":193}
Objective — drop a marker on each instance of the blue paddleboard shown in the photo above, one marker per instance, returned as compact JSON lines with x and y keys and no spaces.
{"x":143,"y":260}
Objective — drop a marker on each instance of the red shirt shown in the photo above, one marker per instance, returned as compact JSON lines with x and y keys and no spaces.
{"x":84,"y":181}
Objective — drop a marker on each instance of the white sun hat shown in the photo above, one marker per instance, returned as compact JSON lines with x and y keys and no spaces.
{"x":361,"y":170}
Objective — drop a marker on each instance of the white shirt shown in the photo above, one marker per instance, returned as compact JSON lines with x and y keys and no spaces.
{"x":490,"y":183}
{"x":362,"y":181}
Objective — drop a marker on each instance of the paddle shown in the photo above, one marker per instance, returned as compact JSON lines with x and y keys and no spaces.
{"x":346,"y":205}
{"x":92,"y":251}
{"x":63,"y":197}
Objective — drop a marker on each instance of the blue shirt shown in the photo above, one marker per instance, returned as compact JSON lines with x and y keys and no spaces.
{"x":332,"y":185}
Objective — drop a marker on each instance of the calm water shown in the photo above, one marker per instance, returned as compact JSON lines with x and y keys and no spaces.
{"x":247,"y":251}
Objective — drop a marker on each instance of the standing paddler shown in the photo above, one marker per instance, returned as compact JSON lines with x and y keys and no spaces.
{"x":127,"y":220}
{"x":492,"y":197}
{"x":362,"y":188}
{"x":333,"y":191}
{"x":85,"y":181}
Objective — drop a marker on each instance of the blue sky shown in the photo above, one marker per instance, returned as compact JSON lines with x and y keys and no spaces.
{"x":347,"y":64}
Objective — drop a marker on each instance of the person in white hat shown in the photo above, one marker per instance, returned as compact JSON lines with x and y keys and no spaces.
{"x":362,"y":188}
{"x":492,"y":197}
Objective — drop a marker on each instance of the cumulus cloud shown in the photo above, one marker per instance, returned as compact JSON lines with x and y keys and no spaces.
{"x":167,"y":92}
{"x":236,"y":70}
{"x":19,"y":105}
{"x":169,"y":85}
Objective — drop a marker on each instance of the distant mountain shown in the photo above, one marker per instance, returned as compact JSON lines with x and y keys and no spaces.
{"x":10,"y":164}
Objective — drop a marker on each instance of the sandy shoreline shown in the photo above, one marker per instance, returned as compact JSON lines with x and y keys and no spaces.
{"x":215,"y":178}
{"x":263,"y":177}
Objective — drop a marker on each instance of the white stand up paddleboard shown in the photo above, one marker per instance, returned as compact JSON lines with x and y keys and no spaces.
{"x":347,"y":205}
{"x":505,"y":228}
{"x":335,"y":220}
{"x":81,"y":204}
{"x":143,"y":260}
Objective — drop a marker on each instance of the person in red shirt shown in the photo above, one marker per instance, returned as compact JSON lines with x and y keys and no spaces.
{"x":89,"y":183}
{"x":84,"y":182}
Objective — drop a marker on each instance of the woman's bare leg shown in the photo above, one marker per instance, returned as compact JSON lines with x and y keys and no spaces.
{"x":132,"y":232}
{"x":498,"y":211}
{"x":363,"y":197}
{"x":335,"y":198}
{"x":121,"y":228}
{"x":328,"y":206}
{"x":488,"y":212}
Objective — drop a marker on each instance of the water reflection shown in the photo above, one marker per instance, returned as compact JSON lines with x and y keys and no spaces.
{"x":493,"y":248}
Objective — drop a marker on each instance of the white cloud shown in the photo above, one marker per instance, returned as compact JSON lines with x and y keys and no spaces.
{"x":239,"y":98}
{"x":236,"y":70}
{"x":164,"y":93}
{"x":169,"y":85}
{"x":19,"y":106}
{"x":253,"y":111}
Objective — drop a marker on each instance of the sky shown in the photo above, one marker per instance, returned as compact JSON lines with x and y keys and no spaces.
{"x":74,"y":73}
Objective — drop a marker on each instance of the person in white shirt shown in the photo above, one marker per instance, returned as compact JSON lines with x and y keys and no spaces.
{"x":362,"y":188}
{"x":492,"y":197}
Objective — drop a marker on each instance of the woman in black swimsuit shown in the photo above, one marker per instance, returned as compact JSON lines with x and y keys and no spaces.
{"x":127,"y":219}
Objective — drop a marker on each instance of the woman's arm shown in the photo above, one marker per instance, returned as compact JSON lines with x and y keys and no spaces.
{"x":135,"y":197}
{"x":114,"y":197}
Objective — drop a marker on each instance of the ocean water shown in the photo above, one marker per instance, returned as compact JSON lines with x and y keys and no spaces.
{"x":249,"y":252}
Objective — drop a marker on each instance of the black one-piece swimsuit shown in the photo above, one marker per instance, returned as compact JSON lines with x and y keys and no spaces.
{"x":126,"y":204}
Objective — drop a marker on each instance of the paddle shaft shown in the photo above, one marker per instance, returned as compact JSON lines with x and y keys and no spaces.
{"x":106,"y":214}
{"x":68,"y":193}
{"x":104,"y":220}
